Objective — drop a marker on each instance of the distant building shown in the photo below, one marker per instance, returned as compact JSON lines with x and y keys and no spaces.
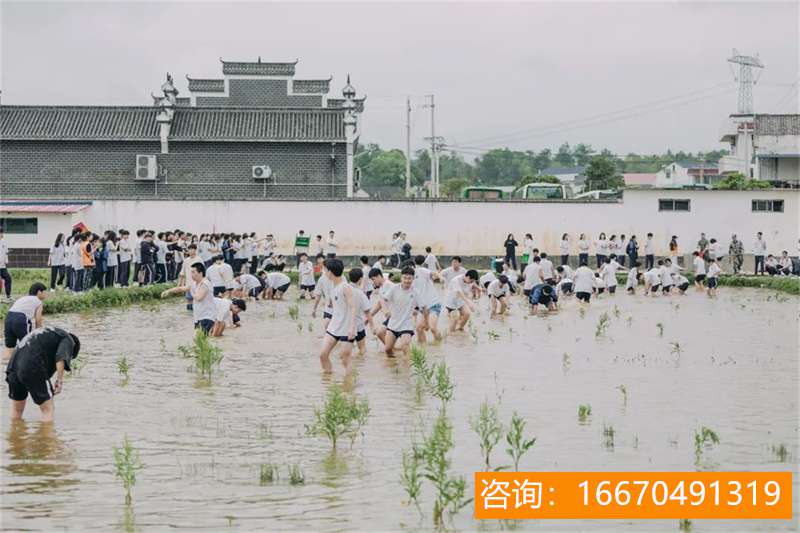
{"x":572,"y":177}
{"x":686,"y":173}
{"x":764,"y":147}
{"x":256,"y":132}
{"x":639,"y":179}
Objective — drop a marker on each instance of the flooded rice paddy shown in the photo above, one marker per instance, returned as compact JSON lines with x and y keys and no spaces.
{"x":730,"y":364}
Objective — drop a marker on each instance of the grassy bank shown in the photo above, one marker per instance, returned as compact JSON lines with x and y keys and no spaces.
{"x":789,"y":285}
{"x":66,"y":302}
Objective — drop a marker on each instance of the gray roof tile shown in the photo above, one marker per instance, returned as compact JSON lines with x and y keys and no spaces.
{"x":777,"y":125}
{"x":258,"y":68}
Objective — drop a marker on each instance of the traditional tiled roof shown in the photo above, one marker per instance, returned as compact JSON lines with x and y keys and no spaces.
{"x":43,"y":207}
{"x":777,"y":125}
{"x":207,"y":86}
{"x":694,"y":165}
{"x":339,"y":102}
{"x":189,"y":124}
{"x":258,"y":68}
{"x":312,"y":86}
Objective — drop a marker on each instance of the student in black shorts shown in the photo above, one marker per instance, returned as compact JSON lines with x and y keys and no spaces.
{"x":44,"y":352}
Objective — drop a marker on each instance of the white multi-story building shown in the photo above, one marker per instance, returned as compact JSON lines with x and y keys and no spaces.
{"x":686,"y":173}
{"x":764,"y":147}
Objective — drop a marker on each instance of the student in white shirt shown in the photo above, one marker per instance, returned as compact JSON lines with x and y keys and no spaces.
{"x":565,"y":284}
{"x":248,"y":286}
{"x":666,"y":276}
{"x":215,"y":276}
{"x":365,"y":284}
{"x":323,"y":292}
{"x":649,"y":252}
{"x":455,"y":269}
{"x":680,"y":282}
{"x":583,"y":249}
{"x":277,"y":285}
{"x":498,"y":296}
{"x":512,"y":276}
{"x":584,"y":283}
{"x":6,"y":277}
{"x":363,"y":307}
{"x":125,"y":256}
{"x":317,"y":246}
{"x":532,"y":275}
{"x":699,"y":270}
{"x":380,"y":263}
{"x":527,"y":250}
{"x":608,"y":272}
{"x":402,"y":301}
{"x":563,"y":248}
{"x":382,"y":285}
{"x":204,"y":309}
{"x":457,"y":299}
{"x":430,"y":304}
{"x":714,"y":271}
{"x":305,"y":272}
{"x":24,"y":315}
{"x":431,"y":262}
{"x":342,"y":326}
{"x":633,"y":278}
{"x":652,"y":280}
{"x":601,"y":249}
{"x":331,"y":247}
{"x":227,"y":314}
{"x":546,"y":267}
{"x":759,"y":249}
{"x":486,"y":279}
{"x":56,"y":261}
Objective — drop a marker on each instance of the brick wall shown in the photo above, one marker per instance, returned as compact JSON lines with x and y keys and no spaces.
{"x":28,"y":257}
{"x":194,"y":170}
{"x":260,"y":93}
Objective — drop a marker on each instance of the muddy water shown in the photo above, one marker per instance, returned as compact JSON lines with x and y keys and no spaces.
{"x":202,"y":445}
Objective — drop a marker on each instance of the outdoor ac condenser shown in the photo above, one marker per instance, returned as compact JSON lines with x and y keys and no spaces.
{"x":146,"y":168}
{"x":262,"y":172}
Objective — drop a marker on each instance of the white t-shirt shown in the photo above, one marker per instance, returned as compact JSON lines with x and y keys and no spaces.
{"x":531,"y":274}
{"x":714,"y":270}
{"x":214,"y":275}
{"x":186,"y":269}
{"x":653,"y":276}
{"x":456,"y":290}
{"x":111,"y":256}
{"x":323,"y":290}
{"x":430,"y":262}
{"x":563,"y":247}
{"x":547,"y":268}
{"x":227,"y":275}
{"x":567,"y":271}
{"x":204,"y":251}
{"x":124,"y":250}
{"x":564,"y":281}
{"x":449,"y":274}
{"x":601,"y":247}
{"x":306,"y":271}
{"x":609,"y":273}
{"x":401,"y":303}
{"x":679,"y":279}
{"x":3,"y":253}
{"x":377,"y":265}
{"x":584,"y":279}
{"x":27,"y":305}
{"x":277,"y":279}
{"x":331,"y":246}
{"x":137,"y":250}
{"x":497,"y":289}
{"x":223,"y":307}
{"x":487,"y":278}
{"x":583,"y":246}
{"x":57,"y":255}
{"x":249,"y":282}
{"x":205,"y":309}
{"x":632,"y":282}
{"x":423,"y":284}
{"x":649,"y":247}
{"x":699,"y":265}
{"x":341,"y":320}
{"x":362,"y":306}
{"x":666,"y":276}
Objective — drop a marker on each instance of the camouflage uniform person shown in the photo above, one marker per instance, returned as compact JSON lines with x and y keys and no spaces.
{"x":736,"y":251}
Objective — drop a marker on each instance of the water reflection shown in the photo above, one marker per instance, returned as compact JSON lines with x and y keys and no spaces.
{"x":38,"y":458}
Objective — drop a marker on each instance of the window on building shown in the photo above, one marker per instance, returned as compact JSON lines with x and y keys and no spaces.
{"x":20,"y":225}
{"x":673,"y":205}
{"x":768,"y":206}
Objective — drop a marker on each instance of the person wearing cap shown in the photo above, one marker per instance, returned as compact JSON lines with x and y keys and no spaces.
{"x":44,"y":352}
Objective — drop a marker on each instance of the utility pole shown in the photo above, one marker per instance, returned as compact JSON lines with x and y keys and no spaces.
{"x":434,"y":149}
{"x":408,"y":147}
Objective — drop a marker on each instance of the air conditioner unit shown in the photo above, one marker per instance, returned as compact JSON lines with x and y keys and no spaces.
{"x":146,"y":168}
{"x":262,"y":172}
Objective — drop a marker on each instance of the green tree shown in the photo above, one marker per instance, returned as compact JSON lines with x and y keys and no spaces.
{"x":420,"y":167}
{"x":384,"y":168}
{"x":543,"y":159}
{"x":602,"y":174}
{"x":546,"y":178}
{"x":582,"y":154}
{"x":564,"y":157}
{"x":738,"y":181}
{"x":454,"y":166}
{"x":503,"y":167}
{"x":451,"y":188}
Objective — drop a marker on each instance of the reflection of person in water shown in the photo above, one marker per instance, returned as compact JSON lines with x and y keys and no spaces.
{"x":42,"y":353}
{"x":36,"y":450}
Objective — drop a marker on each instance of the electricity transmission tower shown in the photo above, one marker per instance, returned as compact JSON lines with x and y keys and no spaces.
{"x":745,"y":79}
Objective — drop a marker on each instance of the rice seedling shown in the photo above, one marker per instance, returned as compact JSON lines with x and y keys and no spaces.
{"x":517,"y":444}
{"x":660,"y":328}
{"x":608,"y":436}
{"x":294,"y":311}
{"x":493,"y":335}
{"x":264,"y":431}
{"x":339,"y":416}
{"x":602,"y":325}
{"x":162,"y":344}
{"x":299,"y":328}
{"x":581,"y":312}
{"x":616,"y":311}
{"x":565,"y":363}
{"x":411,"y":478}
{"x":419,"y":366}
{"x":629,"y":320}
{"x":584,"y":412}
{"x":123,"y":367}
{"x":677,"y":349}
{"x":76,"y":366}
{"x":781,"y":452}
{"x":489,"y":429}
{"x":685,"y":525}
{"x":624,"y":392}
{"x":296,"y":475}
{"x":450,"y":490}
{"x":268,"y":474}
{"x":126,"y":463}
{"x":442,"y":386}
{"x":704,"y":439}
{"x":511,"y":333}
{"x":205,"y":354}
{"x":473,"y":332}
{"x":310,"y":327}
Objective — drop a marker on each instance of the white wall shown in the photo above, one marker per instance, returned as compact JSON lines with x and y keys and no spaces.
{"x":673,"y":175}
{"x":467,"y":228}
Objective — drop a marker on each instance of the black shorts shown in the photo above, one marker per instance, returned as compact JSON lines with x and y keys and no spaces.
{"x":612,"y":289}
{"x":219,"y":290}
{"x":585,"y":296}
{"x":326,"y":315}
{"x":369,"y":294}
{"x":654,"y":288}
{"x":21,"y":383}
{"x":700,"y":277}
{"x":486,"y":285}
{"x":399,"y":334}
{"x":255,"y":292}
{"x":340,"y":338}
{"x":683,"y":286}
{"x":566,"y":288}
{"x":206,"y":324}
{"x":307,"y":287}
{"x":712,"y":283}
{"x":361,"y":335}
{"x":526,"y":292}
{"x":601,"y":290}
{"x":283,"y":288}
{"x":666,"y":288}
{"x":551,"y":282}
{"x":15,"y":328}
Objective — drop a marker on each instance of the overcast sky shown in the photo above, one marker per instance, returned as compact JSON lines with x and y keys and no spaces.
{"x":523,"y":75}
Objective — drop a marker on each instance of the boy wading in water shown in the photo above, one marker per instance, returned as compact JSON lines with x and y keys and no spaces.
{"x":342,"y":327}
{"x":44,"y":352}
{"x":458,"y":299}
{"x":402,"y":301}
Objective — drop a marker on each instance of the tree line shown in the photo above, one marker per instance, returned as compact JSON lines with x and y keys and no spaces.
{"x":502,"y":166}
